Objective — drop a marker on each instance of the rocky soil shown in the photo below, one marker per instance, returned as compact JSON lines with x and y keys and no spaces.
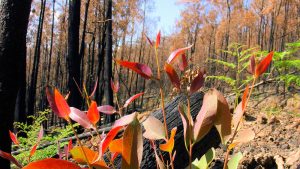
{"x":277,"y":141}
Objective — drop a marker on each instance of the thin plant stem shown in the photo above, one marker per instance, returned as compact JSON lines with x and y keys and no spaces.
{"x":190,"y":156}
{"x":237,"y":126}
{"x":163,"y":103}
{"x":80,"y":145}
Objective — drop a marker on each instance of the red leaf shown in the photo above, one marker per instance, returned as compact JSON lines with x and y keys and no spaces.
{"x":93,"y":113}
{"x":114,"y":86}
{"x":68,"y":148}
{"x":150,"y":41}
{"x":9,"y":157}
{"x":81,"y":118}
{"x":70,"y":145}
{"x":252,"y":64}
{"x":244,"y":98}
{"x":33,"y":150}
{"x":263,"y":65}
{"x":169,"y":145}
{"x":58,"y":104}
{"x":114,"y":156}
{"x":41,"y":133}
{"x":95,"y":88}
{"x":172,"y":75}
{"x":139,"y":68}
{"x":157,"y":40}
{"x":177,"y":53}
{"x":13,"y":138}
{"x":132,"y":98}
{"x":51,"y":163}
{"x":107,"y":109}
{"x":197,"y":82}
{"x":125,"y":120}
{"x":184,"y":63}
{"x":109,"y":137}
{"x":51,"y":101}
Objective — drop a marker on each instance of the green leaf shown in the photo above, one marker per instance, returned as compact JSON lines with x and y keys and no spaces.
{"x":227,"y":80}
{"x":288,"y":64}
{"x":205,"y":160}
{"x":234,"y":161}
{"x":230,"y":65}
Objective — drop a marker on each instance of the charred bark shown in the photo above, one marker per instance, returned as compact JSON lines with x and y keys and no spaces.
{"x":14,"y":16}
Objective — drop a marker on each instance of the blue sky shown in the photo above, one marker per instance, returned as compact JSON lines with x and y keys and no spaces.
{"x":167,"y":11}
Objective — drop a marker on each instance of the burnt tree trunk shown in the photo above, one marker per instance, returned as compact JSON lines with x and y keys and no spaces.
{"x":36,"y":63}
{"x":73,"y":53}
{"x":108,"y":60}
{"x":212,"y":139}
{"x":14,"y":16}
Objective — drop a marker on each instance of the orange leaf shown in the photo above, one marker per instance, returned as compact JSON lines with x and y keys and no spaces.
{"x":177,"y":53}
{"x":93,"y":113}
{"x":116,"y":146}
{"x":63,"y":109}
{"x":132,"y":98}
{"x":33,"y":150}
{"x":13,"y":138}
{"x":109,"y":137}
{"x":91,"y":155}
{"x":139,"y":68}
{"x":51,"y":101}
{"x":263,"y":65}
{"x":51,"y":163}
{"x":169,"y":145}
{"x":244,"y":98}
{"x":157,"y":40}
{"x":172,"y":75}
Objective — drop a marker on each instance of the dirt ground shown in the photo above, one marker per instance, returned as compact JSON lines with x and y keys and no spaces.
{"x":276,"y":122}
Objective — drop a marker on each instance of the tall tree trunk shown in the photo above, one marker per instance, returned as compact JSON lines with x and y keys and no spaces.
{"x":82,"y":46}
{"x":108,"y":60}
{"x":51,"y":42}
{"x":36,"y":63}
{"x":14,"y":15}
{"x":73,"y":55}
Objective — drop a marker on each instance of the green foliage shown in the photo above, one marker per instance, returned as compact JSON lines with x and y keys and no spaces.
{"x":234,"y":161}
{"x":239,"y":56}
{"x":31,"y":131}
{"x":205,"y":160}
{"x":287,"y":64}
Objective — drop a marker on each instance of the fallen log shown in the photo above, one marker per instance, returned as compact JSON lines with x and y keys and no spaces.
{"x":173,"y":120}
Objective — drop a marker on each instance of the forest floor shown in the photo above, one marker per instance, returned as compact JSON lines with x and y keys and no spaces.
{"x":276,"y":122}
